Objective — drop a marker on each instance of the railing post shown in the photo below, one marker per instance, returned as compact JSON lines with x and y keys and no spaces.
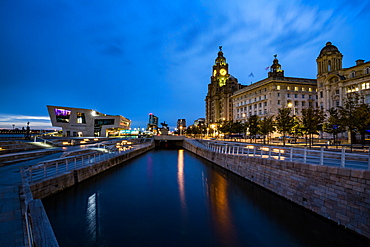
{"x":279,"y":154}
{"x":66,"y":164}
{"x":44,"y":171}
{"x":237,"y":150}
{"x":254,"y":151}
{"x":269,"y":152}
{"x":261,"y":153}
{"x":89,"y":161}
{"x":75,"y":162}
{"x":291,"y":154}
{"x":305,"y":155}
{"x":322,"y":156}
{"x":82,"y":160}
{"x":343,"y":157}
{"x":57,"y":167}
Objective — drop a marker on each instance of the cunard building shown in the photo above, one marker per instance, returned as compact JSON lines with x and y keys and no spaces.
{"x":220,"y":90}
{"x":265,"y":97}
{"x":335,"y":83}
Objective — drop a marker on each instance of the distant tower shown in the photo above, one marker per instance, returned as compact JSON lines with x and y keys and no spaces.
{"x":329,"y":77}
{"x":329,"y":60}
{"x":222,"y":86}
{"x":275,"y":69}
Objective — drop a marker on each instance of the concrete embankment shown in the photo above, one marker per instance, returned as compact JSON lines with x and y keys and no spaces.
{"x":339,"y":194}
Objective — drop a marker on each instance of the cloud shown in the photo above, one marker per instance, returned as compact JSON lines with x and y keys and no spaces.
{"x":7,"y":121}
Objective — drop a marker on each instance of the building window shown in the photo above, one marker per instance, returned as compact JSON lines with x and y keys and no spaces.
{"x":295,"y":88}
{"x":302,"y":88}
{"x":260,"y":104}
{"x":62,"y":115}
{"x":367,"y":99}
{"x":303,"y":103}
{"x":288,"y":95}
{"x":295,"y":95}
{"x":321,"y":94}
{"x":302,"y":96}
{"x":295,"y":103}
{"x":278,"y":94}
{"x":288,"y":88}
{"x":81,"y":117}
{"x":278,"y":102}
{"x":278,"y":87}
{"x":337,"y":103}
{"x":353,"y":74}
{"x":99,"y":122}
{"x":337,"y":91}
{"x":310,"y":104}
{"x":367,"y":70}
{"x":310,"y":96}
{"x":310,"y":89}
{"x":265,"y":103}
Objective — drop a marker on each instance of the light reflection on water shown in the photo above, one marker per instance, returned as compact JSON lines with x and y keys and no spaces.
{"x":173,"y":198}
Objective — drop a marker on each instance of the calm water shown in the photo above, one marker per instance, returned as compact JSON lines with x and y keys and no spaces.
{"x":173,"y":198}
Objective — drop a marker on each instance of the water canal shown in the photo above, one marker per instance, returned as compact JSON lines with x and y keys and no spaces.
{"x":174,"y":198}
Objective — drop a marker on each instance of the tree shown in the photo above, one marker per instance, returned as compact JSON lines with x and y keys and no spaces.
{"x":266,"y":126}
{"x":253,"y":126}
{"x":355,"y":116}
{"x":284,"y":122}
{"x":312,"y":120}
{"x":361,"y":119}
{"x":333,"y":124}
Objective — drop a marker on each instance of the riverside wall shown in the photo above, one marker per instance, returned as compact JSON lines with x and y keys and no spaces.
{"x":44,"y":188}
{"x":339,"y":194}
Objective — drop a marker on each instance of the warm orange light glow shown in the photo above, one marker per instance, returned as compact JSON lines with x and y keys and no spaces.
{"x":265,"y":149}
{"x":65,"y":143}
{"x":276,"y":150}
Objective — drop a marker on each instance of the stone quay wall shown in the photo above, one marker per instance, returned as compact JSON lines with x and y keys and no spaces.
{"x":49,"y":186}
{"x":339,"y":194}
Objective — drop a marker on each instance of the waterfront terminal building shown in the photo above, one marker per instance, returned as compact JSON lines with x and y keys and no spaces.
{"x":78,"y":122}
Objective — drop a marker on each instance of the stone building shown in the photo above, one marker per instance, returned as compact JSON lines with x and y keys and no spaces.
{"x":265,"y":97}
{"x":220,"y":90}
{"x":335,"y":83}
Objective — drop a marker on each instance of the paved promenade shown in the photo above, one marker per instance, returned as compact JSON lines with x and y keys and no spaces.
{"x":11,"y":226}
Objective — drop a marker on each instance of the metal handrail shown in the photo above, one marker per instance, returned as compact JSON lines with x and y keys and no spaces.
{"x":55,"y":167}
{"x":303,"y":155}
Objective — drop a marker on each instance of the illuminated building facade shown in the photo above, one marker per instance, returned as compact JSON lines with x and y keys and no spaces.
{"x":85,"y":122}
{"x":265,"y":97}
{"x":153,"y":123}
{"x":335,"y":83}
{"x":222,"y":86}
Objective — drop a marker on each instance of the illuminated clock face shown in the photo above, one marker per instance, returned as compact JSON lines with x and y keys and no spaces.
{"x":214,"y":72}
{"x":223,"y":71}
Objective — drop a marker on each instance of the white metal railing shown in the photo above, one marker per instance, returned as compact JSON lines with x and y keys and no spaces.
{"x":293,"y":154}
{"x":51,"y":168}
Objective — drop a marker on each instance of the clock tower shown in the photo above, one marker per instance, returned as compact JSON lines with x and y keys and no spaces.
{"x":222,"y":86}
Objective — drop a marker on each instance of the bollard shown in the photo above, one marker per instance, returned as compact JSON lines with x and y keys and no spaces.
{"x":368,"y":160}
{"x":322,"y":156}
{"x":291,"y":154}
{"x":343,"y":157}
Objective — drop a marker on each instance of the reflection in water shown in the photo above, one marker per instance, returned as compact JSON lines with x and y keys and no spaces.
{"x":181,"y":180}
{"x":92,"y":218}
{"x":220,"y":210}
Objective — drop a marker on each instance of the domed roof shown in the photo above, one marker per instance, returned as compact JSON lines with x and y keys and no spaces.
{"x":329,"y":48}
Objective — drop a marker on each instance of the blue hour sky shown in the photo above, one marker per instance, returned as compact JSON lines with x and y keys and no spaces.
{"x":132,"y":58}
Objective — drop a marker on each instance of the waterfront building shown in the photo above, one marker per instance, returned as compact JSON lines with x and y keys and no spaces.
{"x":153,"y":123}
{"x":335,"y":83}
{"x":86,"y":122}
{"x":265,"y":97}
{"x":222,"y":86}
{"x":181,"y":125}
